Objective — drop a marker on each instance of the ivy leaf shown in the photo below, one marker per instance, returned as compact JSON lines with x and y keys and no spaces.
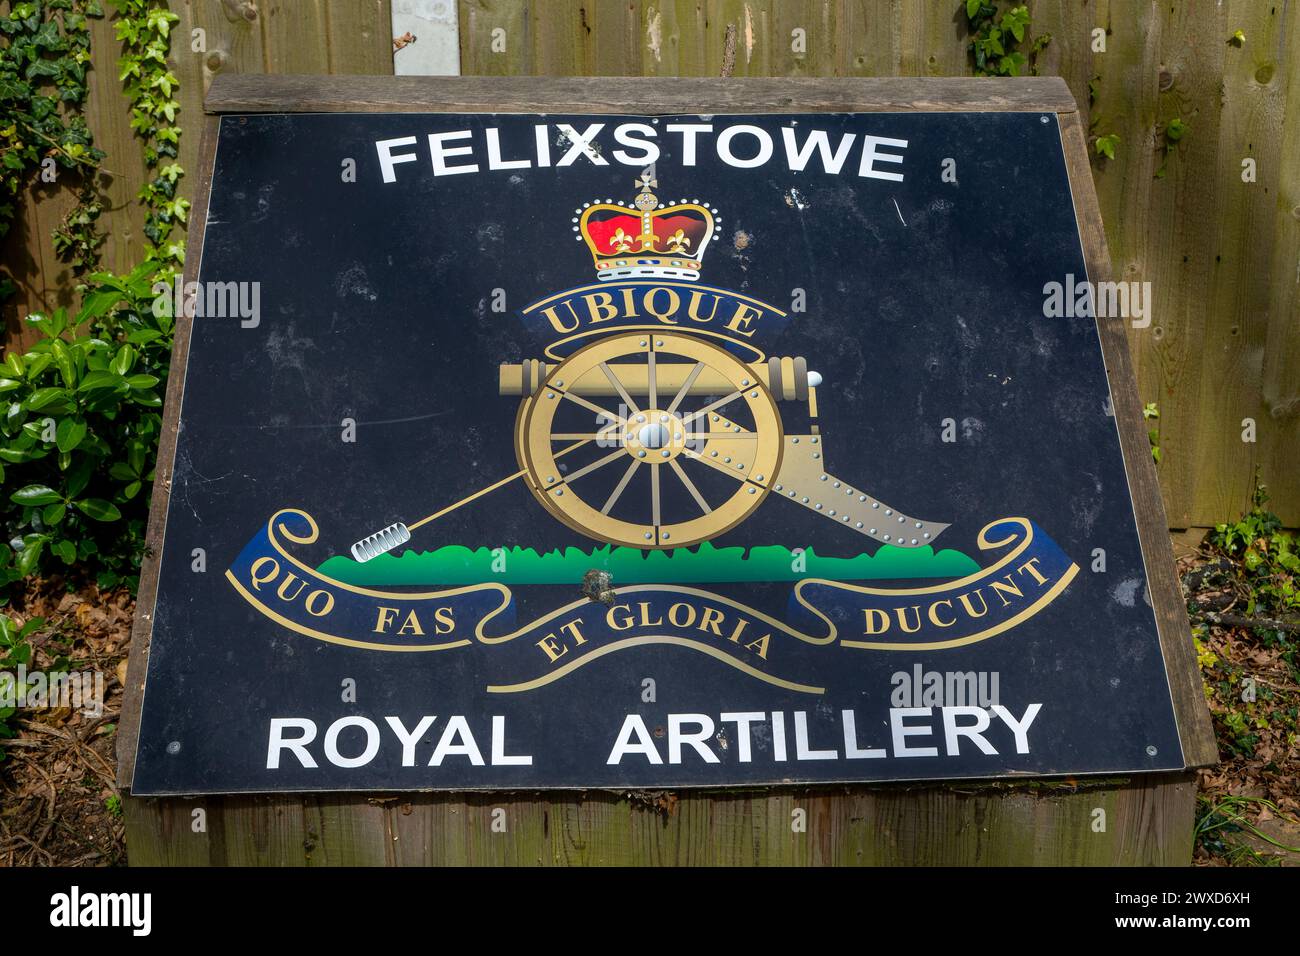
{"x":1105,"y":145}
{"x":1015,"y":20}
{"x":98,"y":509}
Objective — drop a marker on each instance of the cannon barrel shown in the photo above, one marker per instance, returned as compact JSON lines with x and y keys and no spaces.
{"x":787,"y":378}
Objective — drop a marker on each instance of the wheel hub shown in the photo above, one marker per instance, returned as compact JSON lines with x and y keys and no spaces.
{"x":654,"y":436}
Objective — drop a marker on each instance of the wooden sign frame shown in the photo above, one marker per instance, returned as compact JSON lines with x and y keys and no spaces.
{"x":1150,"y":816}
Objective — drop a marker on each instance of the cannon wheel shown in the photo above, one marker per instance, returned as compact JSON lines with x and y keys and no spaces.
{"x":674,"y":434}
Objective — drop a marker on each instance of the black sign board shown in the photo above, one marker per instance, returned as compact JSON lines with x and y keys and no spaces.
{"x":579,"y":451}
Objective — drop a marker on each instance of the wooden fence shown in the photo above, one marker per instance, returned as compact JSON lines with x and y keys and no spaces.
{"x":1221,"y":356}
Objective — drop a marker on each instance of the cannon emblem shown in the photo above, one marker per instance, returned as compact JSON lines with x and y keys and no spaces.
{"x":653,"y":438}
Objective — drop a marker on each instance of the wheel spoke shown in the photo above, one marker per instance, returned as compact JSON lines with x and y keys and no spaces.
{"x":720,"y":436}
{"x":711,"y":406}
{"x":618,"y":387}
{"x":690,"y":486}
{"x":650,"y":379}
{"x":654,"y":497}
{"x":619,"y":419}
{"x":686,"y":386}
{"x":622,"y":483}
{"x":599,"y":462}
{"x":606,"y":432}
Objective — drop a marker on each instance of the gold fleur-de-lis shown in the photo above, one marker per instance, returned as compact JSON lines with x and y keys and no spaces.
{"x":620,"y":241}
{"x":678,"y":241}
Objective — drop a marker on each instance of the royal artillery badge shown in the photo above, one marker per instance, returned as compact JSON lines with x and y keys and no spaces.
{"x":654,"y":424}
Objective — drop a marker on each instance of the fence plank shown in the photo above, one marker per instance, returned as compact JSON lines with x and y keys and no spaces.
{"x":494,"y":38}
{"x":1280,"y":425}
{"x":933,"y":39}
{"x":360,"y":38}
{"x":1180,"y":239}
{"x":1237,"y":320}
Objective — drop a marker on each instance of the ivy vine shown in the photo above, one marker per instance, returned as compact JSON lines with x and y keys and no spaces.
{"x":43,"y":64}
{"x":144,"y":29}
{"x":998,"y":38}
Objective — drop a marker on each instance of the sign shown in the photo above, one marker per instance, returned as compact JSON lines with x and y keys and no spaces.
{"x":610,"y":451}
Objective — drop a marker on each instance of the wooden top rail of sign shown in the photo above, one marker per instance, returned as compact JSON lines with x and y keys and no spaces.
{"x":257,"y":93}
{"x":236,"y":94}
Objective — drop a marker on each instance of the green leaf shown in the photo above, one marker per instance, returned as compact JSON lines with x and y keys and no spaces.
{"x":102,"y":378}
{"x":53,"y":514}
{"x":66,"y":550}
{"x":97,"y":304}
{"x":123,"y":360}
{"x":44,"y":398}
{"x":36,"y":364}
{"x":69,"y":434}
{"x":64,"y":361}
{"x":33,"y":495}
{"x":30,"y":554}
{"x":98,"y":509}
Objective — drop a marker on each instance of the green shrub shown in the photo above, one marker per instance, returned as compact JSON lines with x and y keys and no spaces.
{"x":1269,"y":556}
{"x":15,"y":649}
{"x":79,"y":426}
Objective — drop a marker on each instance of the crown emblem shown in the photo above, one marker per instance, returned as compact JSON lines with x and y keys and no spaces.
{"x":644,"y":238}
